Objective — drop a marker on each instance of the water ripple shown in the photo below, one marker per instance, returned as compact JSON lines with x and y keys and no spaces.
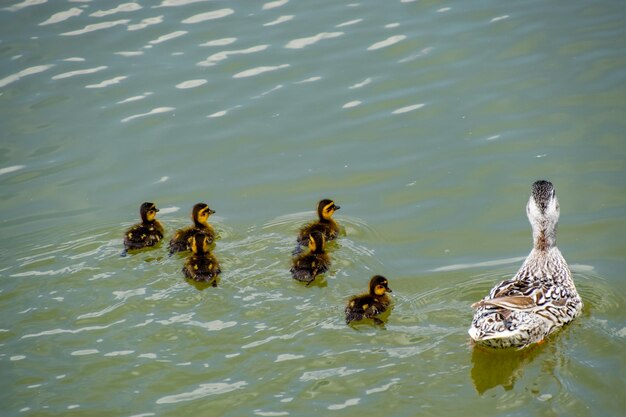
{"x":96,"y":26}
{"x":168,"y":37}
{"x":122,"y":8}
{"x":62,"y":16}
{"x":202,"y":17}
{"x":220,"y":56}
{"x":79,"y":72}
{"x":304,"y":42}
{"x":157,"y":110}
{"x":279,"y":20}
{"x":64,"y":331}
{"x":23,"y":73}
{"x":204,"y":390}
{"x":259,"y":70}
{"x":274,"y":4}
{"x":387,"y":42}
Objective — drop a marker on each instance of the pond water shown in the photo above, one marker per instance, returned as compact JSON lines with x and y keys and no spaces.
{"x":426,"y":121}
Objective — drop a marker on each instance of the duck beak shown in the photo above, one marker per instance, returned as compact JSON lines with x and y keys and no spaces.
{"x":155,"y":209}
{"x":211,"y":211}
{"x":337,"y":207}
{"x":388,"y":289}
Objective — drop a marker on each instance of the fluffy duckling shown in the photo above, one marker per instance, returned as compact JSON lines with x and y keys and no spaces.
{"x":201,"y":266}
{"x":541,"y":297}
{"x":147,"y":233}
{"x":307,"y":266}
{"x":369,"y":305}
{"x":325,"y":225}
{"x":200,"y":216}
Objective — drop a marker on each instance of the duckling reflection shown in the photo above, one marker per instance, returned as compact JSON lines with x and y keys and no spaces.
{"x":201,"y":266}
{"x":200,"y":216}
{"x":307,"y":266}
{"x":372,"y":304}
{"x":542,"y":297}
{"x":145,"y":234}
{"x":324,"y":225}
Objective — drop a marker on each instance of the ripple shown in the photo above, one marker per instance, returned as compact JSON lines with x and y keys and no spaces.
{"x":279,"y":20}
{"x":107,"y":83}
{"x":328,"y":373}
{"x":23,"y":73}
{"x":392,"y":40}
{"x":304,"y":42}
{"x":191,"y":84}
{"x":274,"y":4}
{"x":497,"y":19}
{"x":259,"y":70}
{"x":8,"y":170}
{"x":122,"y":8}
{"x":308,"y":80}
{"x":349,"y":23}
{"x":361,"y":84}
{"x":177,"y":3}
{"x":96,"y":26}
{"x":495,"y":262}
{"x":168,"y":37}
{"x":351,"y":104}
{"x":85,"y":352}
{"x":63,"y":331}
{"x":408,"y":108}
{"x":347,"y":403}
{"x":145,"y":23}
{"x":204,"y":390}
{"x":220,"y":56}
{"x":79,"y":72}
{"x":383,"y":388}
{"x":203,"y":17}
{"x":220,"y":42}
{"x":62,"y":16}
{"x":134,"y":98}
{"x":157,"y":110}
{"x":288,"y":357}
{"x":25,"y":3}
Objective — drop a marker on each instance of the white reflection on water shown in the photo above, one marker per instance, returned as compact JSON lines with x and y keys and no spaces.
{"x":408,"y":108}
{"x":351,"y":104}
{"x":259,"y":70}
{"x":220,"y":56}
{"x":25,"y":3}
{"x":204,"y":390}
{"x":78,"y":72}
{"x":191,"y":84}
{"x":10,"y":169}
{"x":274,"y":4}
{"x":392,"y":40}
{"x":202,"y":17}
{"x":219,"y":42}
{"x":168,"y":36}
{"x":349,"y":23}
{"x":303,"y":42}
{"x":151,"y":112}
{"x":125,"y":7}
{"x":135,"y":98}
{"x":281,"y":19}
{"x":146,"y":22}
{"x":23,"y":73}
{"x":328,"y":373}
{"x":96,"y":26}
{"x":62,"y":16}
{"x":106,"y":83}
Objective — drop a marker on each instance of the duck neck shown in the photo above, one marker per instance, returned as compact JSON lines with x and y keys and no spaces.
{"x":200,"y":225}
{"x":544,"y":238}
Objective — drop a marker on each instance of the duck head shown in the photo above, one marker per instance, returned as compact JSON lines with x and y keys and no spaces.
{"x":316,"y":242}
{"x":326,"y":208}
{"x":148,"y":212}
{"x":200,"y":214}
{"x":543,"y":213}
{"x":379,"y":285}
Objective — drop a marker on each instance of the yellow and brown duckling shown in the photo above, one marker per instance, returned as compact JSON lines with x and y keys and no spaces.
{"x":200,"y":216}
{"x":147,"y":233}
{"x":370,"y":305}
{"x":325,"y":225}
{"x":307,"y":266}
{"x":201,"y":266}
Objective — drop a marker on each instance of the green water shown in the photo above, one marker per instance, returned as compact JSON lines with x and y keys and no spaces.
{"x":426,"y":121}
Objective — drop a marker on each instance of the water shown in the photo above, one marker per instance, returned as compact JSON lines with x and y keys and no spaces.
{"x":426,"y":121}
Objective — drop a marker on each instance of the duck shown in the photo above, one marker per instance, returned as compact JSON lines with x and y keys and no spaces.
{"x":199,"y":215}
{"x":371,"y":304}
{"x":325,"y":225}
{"x":306,"y":266}
{"x":541,"y":298}
{"x":147,"y":233}
{"x":201,"y":266}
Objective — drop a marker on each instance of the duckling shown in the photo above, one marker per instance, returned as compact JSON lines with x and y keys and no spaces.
{"x":201,"y":266}
{"x":147,"y":233}
{"x":307,"y":266}
{"x":325,"y":225}
{"x":200,"y":215}
{"x":369,"y":305}
{"x":541,"y":297}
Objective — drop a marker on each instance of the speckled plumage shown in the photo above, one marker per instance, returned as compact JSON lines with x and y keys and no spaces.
{"x":306,"y":266}
{"x":541,"y":297}
{"x":199,"y":215}
{"x":147,"y":233}
{"x":201,"y":266}
{"x":370,"y":304}
{"x":324,"y":225}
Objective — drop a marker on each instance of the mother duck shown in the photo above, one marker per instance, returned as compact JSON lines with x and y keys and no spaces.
{"x":541,"y":297}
